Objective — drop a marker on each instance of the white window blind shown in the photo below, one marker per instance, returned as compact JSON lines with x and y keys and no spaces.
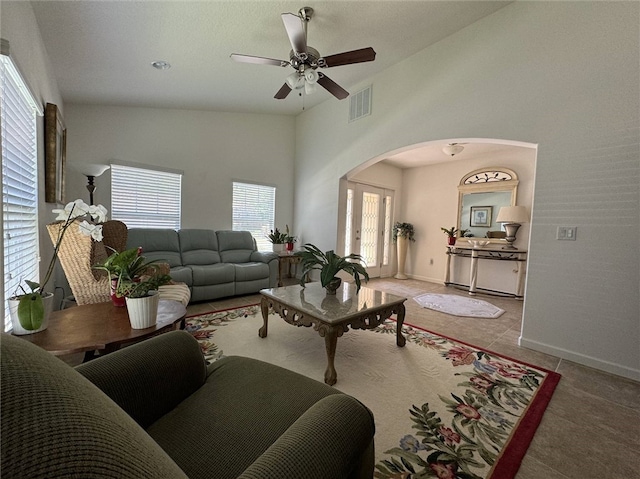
{"x":19,"y":181}
{"x":146,"y":198}
{"x":254,"y":210}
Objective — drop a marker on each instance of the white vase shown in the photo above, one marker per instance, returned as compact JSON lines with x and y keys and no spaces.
{"x":17,"y":328}
{"x":143,"y":312}
{"x":278,"y":247}
{"x":402,"y":244}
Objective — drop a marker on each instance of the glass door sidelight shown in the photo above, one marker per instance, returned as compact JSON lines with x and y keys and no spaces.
{"x":368,"y":227}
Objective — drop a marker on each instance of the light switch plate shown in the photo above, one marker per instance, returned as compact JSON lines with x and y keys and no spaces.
{"x":566,"y":233}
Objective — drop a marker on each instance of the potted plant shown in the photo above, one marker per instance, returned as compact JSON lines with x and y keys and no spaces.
{"x":139,"y":286}
{"x":451,"y":234}
{"x":128,"y":264}
{"x":329,"y":265}
{"x":277,"y":239}
{"x":29,"y":310}
{"x":289,"y":240}
{"x":403,"y":233}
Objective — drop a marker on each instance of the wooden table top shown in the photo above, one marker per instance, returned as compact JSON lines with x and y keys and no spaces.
{"x":100,"y":326}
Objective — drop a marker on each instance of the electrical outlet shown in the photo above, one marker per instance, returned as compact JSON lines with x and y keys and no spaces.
{"x":566,"y":233}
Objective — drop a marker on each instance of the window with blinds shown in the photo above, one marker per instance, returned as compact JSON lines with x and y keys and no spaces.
{"x":254,"y":210}
{"x":146,"y":198}
{"x":19,"y":181}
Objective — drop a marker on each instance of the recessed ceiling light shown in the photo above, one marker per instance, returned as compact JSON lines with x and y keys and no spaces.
{"x":161,"y":65}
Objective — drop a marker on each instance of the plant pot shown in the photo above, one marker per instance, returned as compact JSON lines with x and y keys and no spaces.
{"x":277,"y":247}
{"x":451,"y":240}
{"x":402,"y":244}
{"x":117,"y":301}
{"x":47,"y":301}
{"x":333,"y":286}
{"x":288,"y":246}
{"x":143,"y":312}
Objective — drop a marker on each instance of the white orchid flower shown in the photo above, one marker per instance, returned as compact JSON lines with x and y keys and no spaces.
{"x":72,"y":210}
{"x":88,"y":229}
{"x":98,"y":213}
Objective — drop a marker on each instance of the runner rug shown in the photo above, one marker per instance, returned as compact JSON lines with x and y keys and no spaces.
{"x":443,"y":408}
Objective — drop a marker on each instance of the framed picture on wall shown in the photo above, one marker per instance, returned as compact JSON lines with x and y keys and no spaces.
{"x":55,"y":152}
{"x":481,"y":216}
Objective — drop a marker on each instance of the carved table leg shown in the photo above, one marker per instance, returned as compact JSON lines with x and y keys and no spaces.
{"x":400,"y":340}
{"x":330,"y":342}
{"x":264,"y":306}
{"x":473,"y":274}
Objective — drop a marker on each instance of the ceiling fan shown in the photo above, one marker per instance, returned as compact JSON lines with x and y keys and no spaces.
{"x":305,"y":60}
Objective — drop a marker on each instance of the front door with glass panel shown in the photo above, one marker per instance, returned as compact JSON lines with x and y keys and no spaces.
{"x":368,"y":227}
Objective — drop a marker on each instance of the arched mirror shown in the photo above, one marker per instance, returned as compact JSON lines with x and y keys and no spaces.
{"x":481,"y":194}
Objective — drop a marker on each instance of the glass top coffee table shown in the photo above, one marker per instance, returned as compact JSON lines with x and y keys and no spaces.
{"x":332,"y":315}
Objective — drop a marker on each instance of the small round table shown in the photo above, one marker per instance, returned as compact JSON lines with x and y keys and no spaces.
{"x":102,"y":327}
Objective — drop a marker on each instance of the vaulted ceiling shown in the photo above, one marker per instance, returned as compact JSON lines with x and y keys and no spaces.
{"x":101,"y":51}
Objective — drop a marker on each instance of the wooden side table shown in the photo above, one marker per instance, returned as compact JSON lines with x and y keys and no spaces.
{"x":102,"y":327}
{"x":286,"y":259}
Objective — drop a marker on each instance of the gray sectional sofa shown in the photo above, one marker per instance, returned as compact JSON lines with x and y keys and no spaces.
{"x":214,"y":264}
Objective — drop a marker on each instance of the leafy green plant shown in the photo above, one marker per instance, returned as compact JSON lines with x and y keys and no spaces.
{"x":276,"y":237}
{"x":450,"y":232}
{"x":403,"y":230}
{"x":136,"y":276}
{"x":329,"y":264}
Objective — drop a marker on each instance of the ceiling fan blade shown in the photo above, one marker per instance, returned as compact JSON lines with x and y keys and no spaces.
{"x":332,"y":87}
{"x":283,"y":92}
{"x":296,"y":32}
{"x":258,"y":60}
{"x":354,"y":56}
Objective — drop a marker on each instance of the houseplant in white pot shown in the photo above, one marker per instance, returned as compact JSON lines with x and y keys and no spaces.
{"x":277,"y":239}
{"x":403,"y":233}
{"x":29,"y":310}
{"x":138,"y":281}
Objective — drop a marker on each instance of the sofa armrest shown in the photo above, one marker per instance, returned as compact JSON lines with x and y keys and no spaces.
{"x":334,"y":438}
{"x":263,"y":256}
{"x":150,"y":378}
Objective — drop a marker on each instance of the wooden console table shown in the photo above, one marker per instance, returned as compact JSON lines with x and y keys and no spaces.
{"x":286,"y":259}
{"x":102,"y":327}
{"x":489,"y":252}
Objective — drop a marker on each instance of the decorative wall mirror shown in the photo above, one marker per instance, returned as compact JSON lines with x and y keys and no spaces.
{"x":481,"y":194}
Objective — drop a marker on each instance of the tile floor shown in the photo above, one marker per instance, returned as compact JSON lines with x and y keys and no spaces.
{"x":591,"y":428}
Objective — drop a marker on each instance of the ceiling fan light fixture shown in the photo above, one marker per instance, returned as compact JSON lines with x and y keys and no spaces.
{"x":452,"y":149}
{"x":294,"y":80}
{"x":309,"y":88}
{"x":311,"y":76}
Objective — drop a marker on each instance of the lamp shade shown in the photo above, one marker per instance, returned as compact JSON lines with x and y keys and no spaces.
{"x":93,"y":169}
{"x":513,"y":214}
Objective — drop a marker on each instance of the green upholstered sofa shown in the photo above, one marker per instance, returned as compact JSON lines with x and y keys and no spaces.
{"x":214,"y":264}
{"x":155,"y":410}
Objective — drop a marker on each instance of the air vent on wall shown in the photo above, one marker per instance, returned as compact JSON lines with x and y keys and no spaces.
{"x":360,"y":105}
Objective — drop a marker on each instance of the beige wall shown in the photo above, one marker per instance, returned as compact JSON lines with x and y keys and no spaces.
{"x":555,"y":74}
{"x":212,"y":149}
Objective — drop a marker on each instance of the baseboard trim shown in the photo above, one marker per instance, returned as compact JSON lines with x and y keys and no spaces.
{"x":592,"y":362}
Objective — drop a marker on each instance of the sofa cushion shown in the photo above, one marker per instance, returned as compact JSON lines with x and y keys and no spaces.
{"x":214,"y":429}
{"x":235,"y":246}
{"x":251,"y":271}
{"x":213,"y":274}
{"x":158,"y":244}
{"x":198,"y":246}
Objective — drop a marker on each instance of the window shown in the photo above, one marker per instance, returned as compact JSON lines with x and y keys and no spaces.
{"x":19,"y":180}
{"x":146,"y":198}
{"x":254,"y":210}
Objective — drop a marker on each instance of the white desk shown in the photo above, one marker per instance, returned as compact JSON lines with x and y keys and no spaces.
{"x":491,"y":253}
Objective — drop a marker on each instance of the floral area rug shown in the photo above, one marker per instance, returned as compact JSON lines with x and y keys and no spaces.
{"x":458,"y":305}
{"x":443,"y":408}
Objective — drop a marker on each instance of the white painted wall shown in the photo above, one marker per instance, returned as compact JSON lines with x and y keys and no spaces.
{"x":212,"y":148}
{"x":563,"y":75}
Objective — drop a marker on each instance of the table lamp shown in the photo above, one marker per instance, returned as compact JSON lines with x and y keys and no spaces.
{"x":512,"y":217}
{"x":91,"y":171}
